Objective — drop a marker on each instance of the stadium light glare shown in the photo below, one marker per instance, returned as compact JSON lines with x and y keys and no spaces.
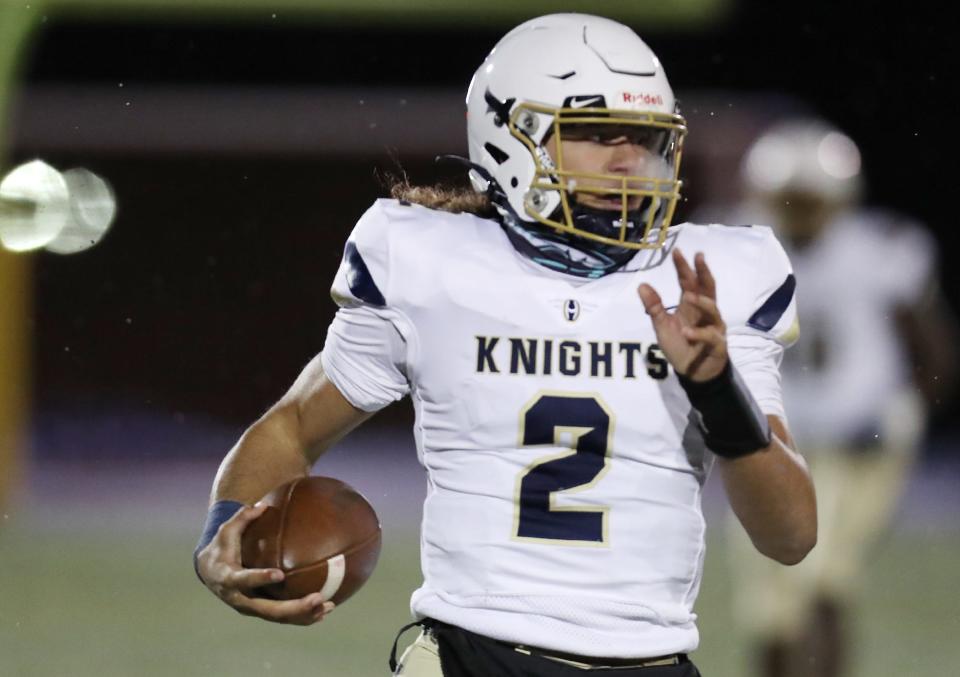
{"x":34,"y":206}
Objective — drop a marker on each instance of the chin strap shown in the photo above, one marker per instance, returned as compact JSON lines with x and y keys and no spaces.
{"x":463,"y":162}
{"x":493,"y":190}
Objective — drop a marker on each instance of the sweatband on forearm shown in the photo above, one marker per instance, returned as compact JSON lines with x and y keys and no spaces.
{"x":219,"y":513}
{"x":730,"y":419}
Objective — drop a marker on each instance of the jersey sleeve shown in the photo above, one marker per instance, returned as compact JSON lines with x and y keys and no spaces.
{"x":757,"y":359}
{"x":368,"y":344}
{"x":756,"y":344}
{"x":771,"y":298}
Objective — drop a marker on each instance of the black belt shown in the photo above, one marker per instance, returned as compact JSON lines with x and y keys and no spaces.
{"x":592,"y":662}
{"x":574,"y":660}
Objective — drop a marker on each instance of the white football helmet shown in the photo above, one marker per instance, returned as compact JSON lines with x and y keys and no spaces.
{"x":804,"y":155}
{"x":549,"y":77}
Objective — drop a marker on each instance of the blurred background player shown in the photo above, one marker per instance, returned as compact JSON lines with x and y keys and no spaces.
{"x":875,"y":351}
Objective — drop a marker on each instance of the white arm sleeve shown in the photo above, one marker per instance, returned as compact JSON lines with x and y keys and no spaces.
{"x":757,"y":359}
{"x":365,"y":357}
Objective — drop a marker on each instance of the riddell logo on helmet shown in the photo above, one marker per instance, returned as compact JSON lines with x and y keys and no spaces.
{"x":641,"y":99}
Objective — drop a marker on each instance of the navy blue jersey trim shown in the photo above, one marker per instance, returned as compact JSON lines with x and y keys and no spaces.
{"x":772,"y":310}
{"x":359,"y":278}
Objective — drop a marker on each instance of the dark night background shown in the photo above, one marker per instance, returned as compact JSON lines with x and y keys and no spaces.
{"x":211,"y":291}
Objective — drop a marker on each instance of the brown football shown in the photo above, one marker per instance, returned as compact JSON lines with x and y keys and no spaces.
{"x":321,"y":532}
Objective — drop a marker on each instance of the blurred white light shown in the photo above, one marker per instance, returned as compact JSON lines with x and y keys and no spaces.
{"x":806,"y":155}
{"x":92,"y":209}
{"x":838,"y":156}
{"x":34,"y":206}
{"x":771,"y":164}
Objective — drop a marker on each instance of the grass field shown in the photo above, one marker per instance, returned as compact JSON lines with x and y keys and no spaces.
{"x":107,"y":603}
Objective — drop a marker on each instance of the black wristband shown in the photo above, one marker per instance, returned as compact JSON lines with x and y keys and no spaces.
{"x":219,"y":513}
{"x":730,"y":419}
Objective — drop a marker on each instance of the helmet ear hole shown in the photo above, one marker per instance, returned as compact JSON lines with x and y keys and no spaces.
{"x":514,"y":182}
{"x":496,"y":153}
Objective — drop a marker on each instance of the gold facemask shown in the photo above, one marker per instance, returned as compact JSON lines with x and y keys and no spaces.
{"x":659,"y":194}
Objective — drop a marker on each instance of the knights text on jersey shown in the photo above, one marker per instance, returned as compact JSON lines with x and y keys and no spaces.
{"x":564,"y":467}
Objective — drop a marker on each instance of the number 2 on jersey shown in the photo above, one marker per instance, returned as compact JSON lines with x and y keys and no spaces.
{"x":584,"y":424}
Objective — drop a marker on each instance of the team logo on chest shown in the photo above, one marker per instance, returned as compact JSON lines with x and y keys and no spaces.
{"x":571,"y":310}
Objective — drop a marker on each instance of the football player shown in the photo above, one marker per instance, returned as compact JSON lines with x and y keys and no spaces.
{"x":575,"y":363}
{"x":877,"y":338}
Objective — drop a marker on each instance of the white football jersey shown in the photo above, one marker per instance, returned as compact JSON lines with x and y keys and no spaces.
{"x":848,"y":381}
{"x":564,"y":467}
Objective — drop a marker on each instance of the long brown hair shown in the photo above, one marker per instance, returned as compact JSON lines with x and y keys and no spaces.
{"x":454,"y":199}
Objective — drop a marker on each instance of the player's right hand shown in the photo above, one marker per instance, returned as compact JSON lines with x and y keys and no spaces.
{"x":694,"y":336}
{"x":220,"y":568}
